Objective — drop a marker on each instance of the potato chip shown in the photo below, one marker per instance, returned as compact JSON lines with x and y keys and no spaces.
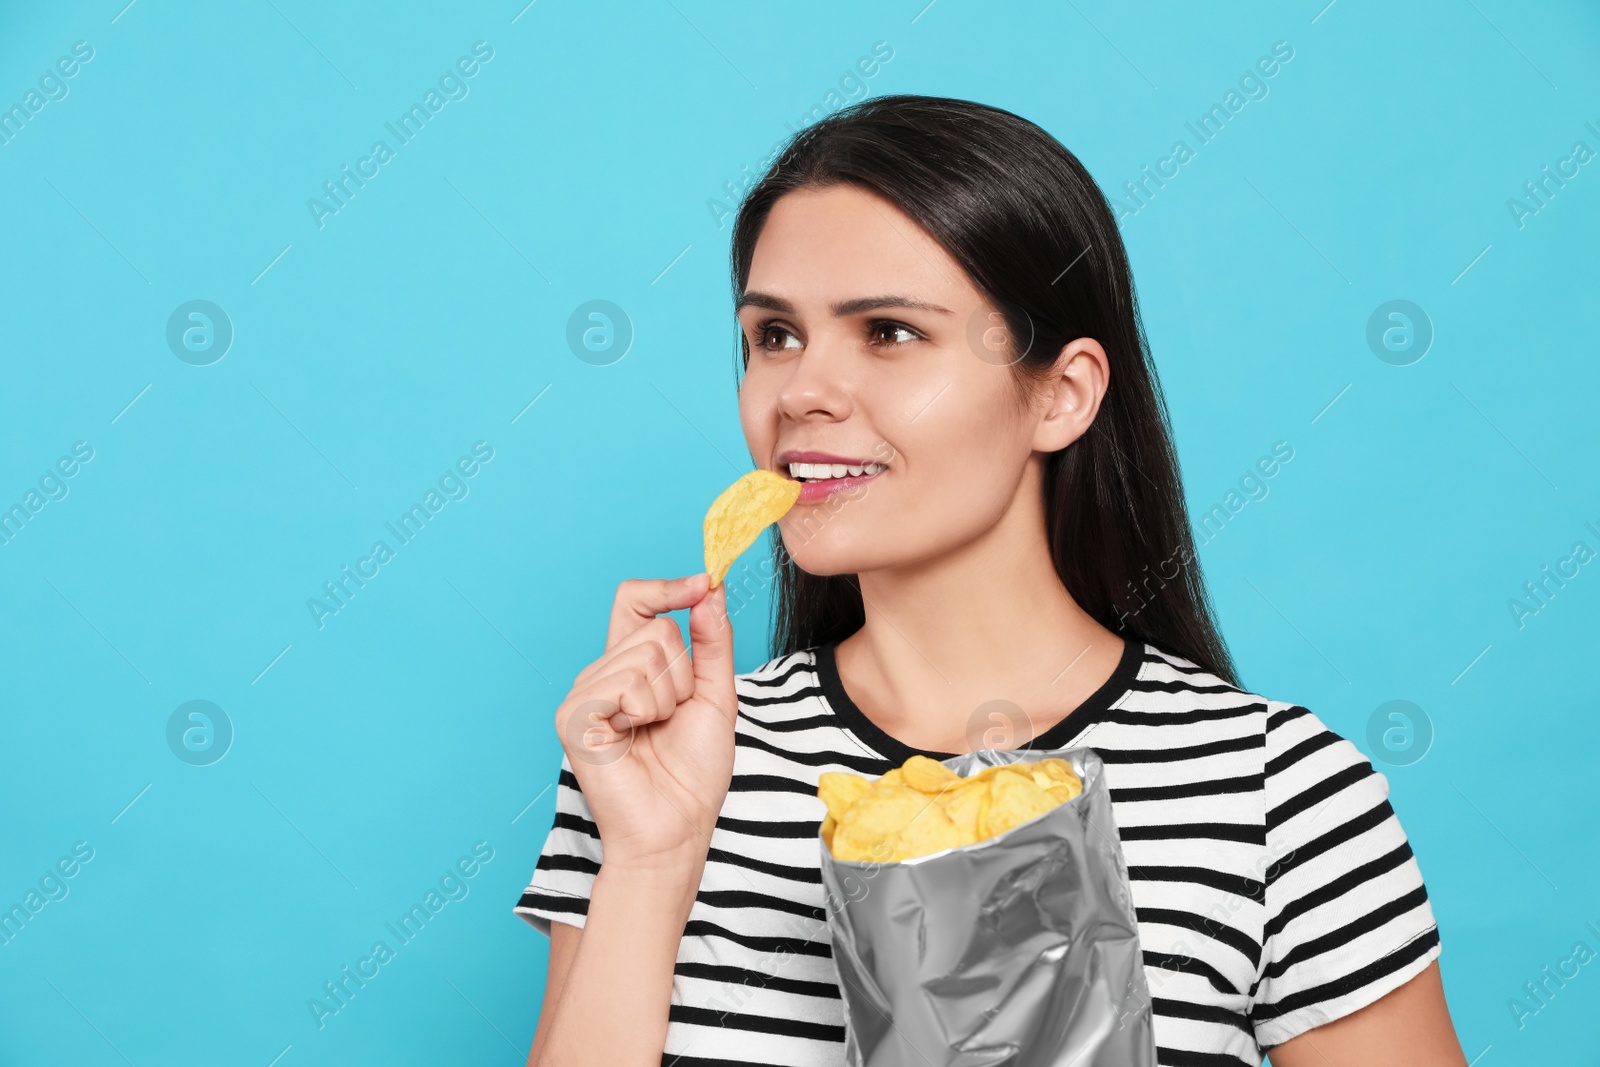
{"x":839,"y":790}
{"x":929,"y":831}
{"x":962,"y":803}
{"x":1013,"y":800}
{"x":926,"y":775}
{"x":1063,"y":793}
{"x":1055,"y":767}
{"x":872,"y":825}
{"x":893,"y":824}
{"x":739,"y":514}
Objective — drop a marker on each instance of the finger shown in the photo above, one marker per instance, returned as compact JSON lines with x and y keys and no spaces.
{"x":595,"y":720}
{"x":639,"y":600}
{"x":711,"y":647}
{"x":662,"y":633}
{"x":586,"y":732}
{"x":650,"y":659}
{"x":635,"y":698}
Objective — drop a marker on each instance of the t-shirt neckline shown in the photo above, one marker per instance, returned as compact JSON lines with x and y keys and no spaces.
{"x":1092,"y":710}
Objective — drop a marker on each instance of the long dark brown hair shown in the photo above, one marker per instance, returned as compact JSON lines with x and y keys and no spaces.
{"x":1035,"y":234}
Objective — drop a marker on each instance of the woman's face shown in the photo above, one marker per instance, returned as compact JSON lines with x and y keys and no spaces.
{"x":869,"y":380}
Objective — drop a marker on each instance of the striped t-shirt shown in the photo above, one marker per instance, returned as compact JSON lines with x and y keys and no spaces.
{"x":1274,"y":888}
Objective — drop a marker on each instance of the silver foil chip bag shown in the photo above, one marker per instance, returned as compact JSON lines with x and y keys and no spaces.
{"x":1021,"y":950}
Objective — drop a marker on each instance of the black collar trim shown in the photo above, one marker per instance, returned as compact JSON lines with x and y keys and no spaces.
{"x":1091,"y":711}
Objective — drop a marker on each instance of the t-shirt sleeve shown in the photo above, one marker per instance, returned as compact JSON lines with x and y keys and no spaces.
{"x":1347,"y":916}
{"x":562,"y":880}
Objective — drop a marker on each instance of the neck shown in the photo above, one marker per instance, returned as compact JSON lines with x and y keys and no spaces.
{"x":987,"y":621}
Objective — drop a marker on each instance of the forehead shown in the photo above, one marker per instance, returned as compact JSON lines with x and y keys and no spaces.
{"x":823,"y":245}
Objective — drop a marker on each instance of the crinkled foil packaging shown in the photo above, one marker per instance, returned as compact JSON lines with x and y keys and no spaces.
{"x":1020,"y":951}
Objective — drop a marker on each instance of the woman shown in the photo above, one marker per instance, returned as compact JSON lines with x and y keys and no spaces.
{"x":940,"y":339}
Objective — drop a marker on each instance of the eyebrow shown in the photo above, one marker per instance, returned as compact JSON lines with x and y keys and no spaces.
{"x":752,"y":298}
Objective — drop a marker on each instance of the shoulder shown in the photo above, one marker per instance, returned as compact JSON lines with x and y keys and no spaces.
{"x":1303,"y":760}
{"x":1167,"y":685}
{"x":777,"y":685}
{"x":774,"y":670}
{"x":1179,"y":696}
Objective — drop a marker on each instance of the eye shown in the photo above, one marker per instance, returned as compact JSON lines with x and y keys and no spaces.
{"x":766,"y":332}
{"x":889,"y":332}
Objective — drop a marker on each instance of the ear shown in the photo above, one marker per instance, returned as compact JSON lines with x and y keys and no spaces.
{"x":1072,"y":394}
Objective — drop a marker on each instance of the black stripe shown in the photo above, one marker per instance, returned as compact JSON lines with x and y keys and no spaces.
{"x":777,"y":828}
{"x":568,"y":779}
{"x":1316,"y":742}
{"x":1407,"y":953}
{"x":799,"y":946}
{"x":786,"y":698}
{"x":861,"y":764}
{"x":1376,"y":816}
{"x":1170,"y":961}
{"x":553,"y":902}
{"x":1205,"y":1013}
{"x":1336,"y":888}
{"x":1237,"y":940}
{"x":717,"y":972}
{"x":566,"y":820}
{"x":769,"y":783}
{"x":1249,"y":783}
{"x":812,"y":875}
{"x":1368,"y":922}
{"x":1324,"y":789}
{"x":759,"y":1024}
{"x":1166,"y":659}
{"x":801,"y":663}
{"x":744,"y":898}
{"x":1172,"y":755}
{"x":792,"y":726}
{"x":1177,"y":1057}
{"x":1183,"y":831}
{"x":1150,"y":685}
{"x":566,"y":861}
{"x":1222,"y":880}
{"x":1278,"y":718}
{"x":1156,"y":717}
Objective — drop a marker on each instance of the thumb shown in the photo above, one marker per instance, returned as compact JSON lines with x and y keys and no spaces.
{"x":711,"y":650}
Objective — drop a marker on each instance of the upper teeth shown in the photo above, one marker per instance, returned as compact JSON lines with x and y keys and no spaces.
{"x":833,"y":470}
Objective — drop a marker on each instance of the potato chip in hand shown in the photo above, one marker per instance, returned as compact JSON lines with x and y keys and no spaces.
{"x":740,"y":513}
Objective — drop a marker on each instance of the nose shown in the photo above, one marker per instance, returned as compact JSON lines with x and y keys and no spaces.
{"x":816,"y":389}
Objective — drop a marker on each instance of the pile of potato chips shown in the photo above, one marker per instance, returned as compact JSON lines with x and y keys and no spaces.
{"x":923,"y":806}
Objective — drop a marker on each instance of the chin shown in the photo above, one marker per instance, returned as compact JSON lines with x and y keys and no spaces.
{"x":824,"y":556}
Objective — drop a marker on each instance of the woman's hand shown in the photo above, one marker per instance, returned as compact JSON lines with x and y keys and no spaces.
{"x":648,"y":727}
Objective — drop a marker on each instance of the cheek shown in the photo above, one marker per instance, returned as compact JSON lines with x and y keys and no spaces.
{"x":961,"y":474}
{"x":756,"y":418}
{"x":952,"y":478}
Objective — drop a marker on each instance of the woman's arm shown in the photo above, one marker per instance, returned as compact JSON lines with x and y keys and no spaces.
{"x":1409,"y":1027}
{"x":648,"y":731}
{"x":564,"y":939}
{"x":610,"y":983}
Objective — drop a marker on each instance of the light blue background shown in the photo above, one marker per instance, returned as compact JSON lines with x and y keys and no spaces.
{"x":430,"y":311}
